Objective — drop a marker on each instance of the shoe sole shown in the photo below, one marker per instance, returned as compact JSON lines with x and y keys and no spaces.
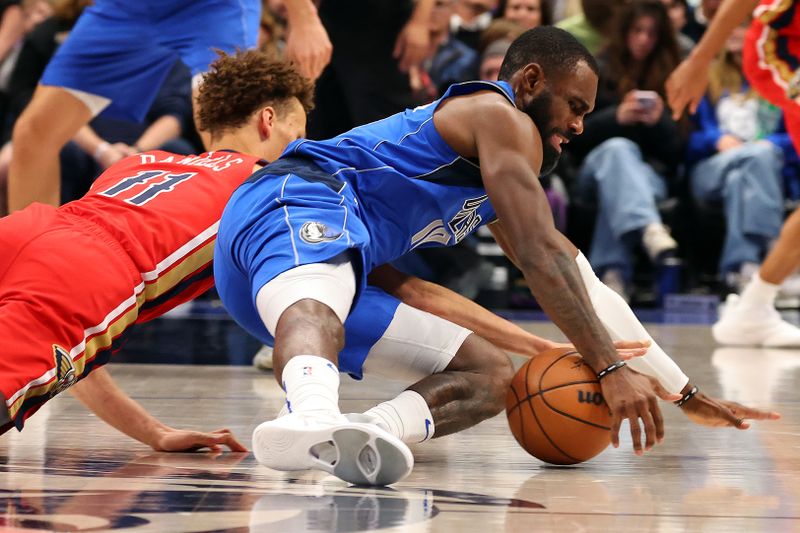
{"x":365,"y":454}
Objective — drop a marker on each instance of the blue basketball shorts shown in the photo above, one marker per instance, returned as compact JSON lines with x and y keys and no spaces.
{"x":277,"y":221}
{"x":123,"y":50}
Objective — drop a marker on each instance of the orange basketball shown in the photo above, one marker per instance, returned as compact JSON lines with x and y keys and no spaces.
{"x":556,"y":409}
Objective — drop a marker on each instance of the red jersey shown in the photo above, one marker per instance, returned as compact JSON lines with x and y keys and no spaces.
{"x":780,"y":15}
{"x":164,"y":209}
{"x":771,"y":58}
{"x":74,"y":279}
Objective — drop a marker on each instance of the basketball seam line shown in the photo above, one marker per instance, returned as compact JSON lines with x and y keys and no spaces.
{"x":530,"y":402}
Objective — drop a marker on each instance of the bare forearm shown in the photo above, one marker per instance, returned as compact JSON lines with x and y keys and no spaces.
{"x":422,"y":10}
{"x":730,"y":14}
{"x":556,"y":283}
{"x":162,"y":130}
{"x":11,"y":29}
{"x":298,"y":11}
{"x":87,"y":140}
{"x":100,"y":393}
{"x":451,"y":306}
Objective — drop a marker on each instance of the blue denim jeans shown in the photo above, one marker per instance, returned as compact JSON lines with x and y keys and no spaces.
{"x":747,"y":181}
{"x":626,"y":189}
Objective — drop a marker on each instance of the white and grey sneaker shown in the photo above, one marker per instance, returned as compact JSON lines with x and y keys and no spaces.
{"x":356,"y":452}
{"x":738,"y":326}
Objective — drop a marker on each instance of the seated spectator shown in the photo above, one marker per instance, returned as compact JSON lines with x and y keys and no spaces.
{"x":492,"y":59}
{"x":699,"y":17}
{"x":739,"y":152}
{"x":499,"y":29}
{"x":592,"y":26}
{"x":630,"y":144}
{"x":677,"y":10}
{"x":451,"y":60}
{"x":528,"y":13}
{"x":471,"y":17}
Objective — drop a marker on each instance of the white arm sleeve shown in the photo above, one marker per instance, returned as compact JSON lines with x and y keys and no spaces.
{"x":622,"y":324}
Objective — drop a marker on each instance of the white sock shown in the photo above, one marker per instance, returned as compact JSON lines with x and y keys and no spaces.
{"x":311,"y":384}
{"x":407,"y":417}
{"x":759,"y":293}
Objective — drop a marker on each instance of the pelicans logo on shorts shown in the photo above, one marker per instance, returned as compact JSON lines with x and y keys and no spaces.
{"x":317,"y":232}
{"x":65,"y":370}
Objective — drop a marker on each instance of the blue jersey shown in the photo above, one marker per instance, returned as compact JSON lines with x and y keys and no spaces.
{"x":376,"y":192}
{"x":413,"y":189}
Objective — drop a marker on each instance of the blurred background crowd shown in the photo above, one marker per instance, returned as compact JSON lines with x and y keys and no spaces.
{"x":659,"y":206}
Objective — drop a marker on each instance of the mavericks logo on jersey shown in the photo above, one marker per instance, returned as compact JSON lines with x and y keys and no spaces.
{"x":317,"y":232}
{"x":467,"y":219}
{"x":461,"y":225}
{"x":65,"y":370}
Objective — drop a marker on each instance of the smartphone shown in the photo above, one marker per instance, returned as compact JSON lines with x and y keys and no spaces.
{"x":646,"y":99}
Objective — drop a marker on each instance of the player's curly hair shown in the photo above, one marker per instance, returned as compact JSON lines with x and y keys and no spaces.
{"x":237,"y":85}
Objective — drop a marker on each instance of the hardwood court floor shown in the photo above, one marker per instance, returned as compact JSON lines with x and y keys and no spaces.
{"x":70,"y":472}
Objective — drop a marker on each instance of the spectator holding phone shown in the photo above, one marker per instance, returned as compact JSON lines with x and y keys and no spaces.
{"x":739,"y":154}
{"x":630,"y":145}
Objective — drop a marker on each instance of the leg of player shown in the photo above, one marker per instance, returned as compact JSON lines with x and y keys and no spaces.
{"x":471,"y":389}
{"x":50,"y":120}
{"x":308,"y":336}
{"x":751,"y":319}
{"x":459,"y":378}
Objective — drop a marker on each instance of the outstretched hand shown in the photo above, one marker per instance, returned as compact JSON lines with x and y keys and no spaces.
{"x":707,"y":411}
{"x":626,"y":349}
{"x":182,"y":440}
{"x":630,"y":395}
{"x":686,"y":86}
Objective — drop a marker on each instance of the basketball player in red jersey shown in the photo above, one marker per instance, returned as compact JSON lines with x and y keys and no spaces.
{"x":771,"y":57}
{"x":74,"y":280}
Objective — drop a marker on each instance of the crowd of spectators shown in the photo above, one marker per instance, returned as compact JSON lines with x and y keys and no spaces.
{"x":630,"y":191}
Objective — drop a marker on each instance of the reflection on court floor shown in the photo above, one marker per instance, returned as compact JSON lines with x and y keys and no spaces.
{"x":70,"y":472}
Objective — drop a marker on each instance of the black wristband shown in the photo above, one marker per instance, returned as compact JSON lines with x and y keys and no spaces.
{"x":609,"y":369}
{"x":686,"y":397}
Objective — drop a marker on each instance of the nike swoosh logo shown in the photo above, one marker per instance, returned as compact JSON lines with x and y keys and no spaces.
{"x":427,"y":428}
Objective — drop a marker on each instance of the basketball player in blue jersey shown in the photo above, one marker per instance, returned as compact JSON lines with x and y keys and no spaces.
{"x":117,"y":57}
{"x":297,"y":241}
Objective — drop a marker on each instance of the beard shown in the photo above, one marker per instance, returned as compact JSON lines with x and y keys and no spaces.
{"x":539,"y":110}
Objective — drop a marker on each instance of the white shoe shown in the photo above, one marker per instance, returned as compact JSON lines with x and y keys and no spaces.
{"x":657,"y":240}
{"x":748,"y":327}
{"x":359,"y":453}
{"x":262,"y":360}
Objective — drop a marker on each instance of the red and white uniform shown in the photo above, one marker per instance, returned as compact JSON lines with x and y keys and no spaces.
{"x":73,"y":280}
{"x":771,"y":59}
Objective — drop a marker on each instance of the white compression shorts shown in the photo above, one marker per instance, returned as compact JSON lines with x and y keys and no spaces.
{"x":332,"y":283}
{"x":416,"y":344}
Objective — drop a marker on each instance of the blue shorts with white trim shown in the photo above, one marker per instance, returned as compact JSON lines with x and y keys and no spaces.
{"x":290,"y":214}
{"x":123,"y":50}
